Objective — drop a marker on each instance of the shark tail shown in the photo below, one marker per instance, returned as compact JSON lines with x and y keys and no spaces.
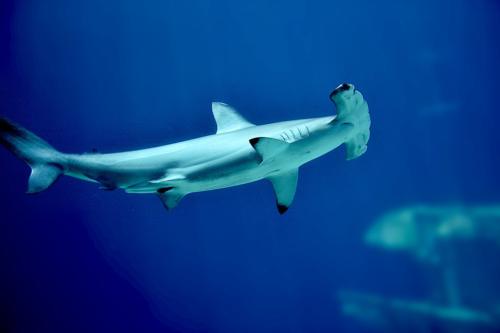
{"x":46,"y":162}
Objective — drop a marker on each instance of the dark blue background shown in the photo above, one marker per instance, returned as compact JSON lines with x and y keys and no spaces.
{"x":116,"y":75}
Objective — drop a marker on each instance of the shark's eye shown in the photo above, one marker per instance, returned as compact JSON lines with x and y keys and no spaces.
{"x":342,"y":87}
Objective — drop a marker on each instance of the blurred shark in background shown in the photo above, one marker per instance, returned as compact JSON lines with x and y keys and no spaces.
{"x":416,"y":316}
{"x":435,"y":235}
{"x":422,"y":229}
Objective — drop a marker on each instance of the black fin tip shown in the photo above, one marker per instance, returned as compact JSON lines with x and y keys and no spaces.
{"x":164,"y":189}
{"x":281,"y":208}
{"x":254,"y":141}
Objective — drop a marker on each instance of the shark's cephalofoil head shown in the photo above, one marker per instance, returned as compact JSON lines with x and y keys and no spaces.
{"x":347,"y":99}
{"x":352,"y":114}
{"x":343,"y":91}
{"x":340,"y":88}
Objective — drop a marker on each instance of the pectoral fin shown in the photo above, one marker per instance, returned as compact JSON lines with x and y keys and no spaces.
{"x":284,"y":185}
{"x":268,"y":147}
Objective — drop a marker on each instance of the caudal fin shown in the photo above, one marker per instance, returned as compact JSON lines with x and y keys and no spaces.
{"x":44,"y":160}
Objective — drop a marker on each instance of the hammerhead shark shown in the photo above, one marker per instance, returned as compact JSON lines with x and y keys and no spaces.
{"x":239,"y":153}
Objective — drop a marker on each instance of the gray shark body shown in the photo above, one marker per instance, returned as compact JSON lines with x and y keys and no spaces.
{"x":239,"y":153}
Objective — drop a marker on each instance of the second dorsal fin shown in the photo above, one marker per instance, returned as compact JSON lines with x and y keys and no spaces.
{"x":228,"y":119}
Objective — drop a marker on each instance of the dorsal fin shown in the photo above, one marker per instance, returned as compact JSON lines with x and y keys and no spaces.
{"x":227,"y":118}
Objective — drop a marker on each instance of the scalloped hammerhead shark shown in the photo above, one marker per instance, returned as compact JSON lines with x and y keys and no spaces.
{"x":239,"y":153}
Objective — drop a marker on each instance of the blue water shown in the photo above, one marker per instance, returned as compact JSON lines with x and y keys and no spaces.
{"x":117,"y":75}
